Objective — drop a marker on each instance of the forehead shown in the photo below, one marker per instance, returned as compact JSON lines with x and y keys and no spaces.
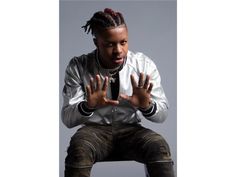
{"x":118,"y":32}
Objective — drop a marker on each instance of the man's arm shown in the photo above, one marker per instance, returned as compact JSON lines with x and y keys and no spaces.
{"x":159,"y":110}
{"x":78,"y":106}
{"x":148,"y":95}
{"x":73,"y":97}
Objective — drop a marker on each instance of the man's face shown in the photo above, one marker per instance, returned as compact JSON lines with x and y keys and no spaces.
{"x":112,"y":44}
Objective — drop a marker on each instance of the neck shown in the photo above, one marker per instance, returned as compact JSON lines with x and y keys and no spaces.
{"x":110,"y":70}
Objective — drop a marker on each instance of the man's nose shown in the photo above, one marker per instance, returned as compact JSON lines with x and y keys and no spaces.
{"x":117,"y":48}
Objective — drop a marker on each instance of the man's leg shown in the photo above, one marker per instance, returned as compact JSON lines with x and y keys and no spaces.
{"x":77,"y":172}
{"x":160,"y":169}
{"x":87,"y":146}
{"x":146,"y":146}
{"x":161,"y":164}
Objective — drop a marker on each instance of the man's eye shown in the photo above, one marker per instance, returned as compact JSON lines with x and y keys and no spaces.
{"x":109,"y":45}
{"x":123,"y":42}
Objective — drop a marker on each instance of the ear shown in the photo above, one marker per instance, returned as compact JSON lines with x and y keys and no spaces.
{"x":95,"y":42}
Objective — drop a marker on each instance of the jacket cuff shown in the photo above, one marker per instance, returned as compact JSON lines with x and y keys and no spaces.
{"x":149,"y":111}
{"x":84,"y":109}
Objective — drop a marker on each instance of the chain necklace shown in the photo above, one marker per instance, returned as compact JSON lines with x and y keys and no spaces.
{"x":111,"y":72}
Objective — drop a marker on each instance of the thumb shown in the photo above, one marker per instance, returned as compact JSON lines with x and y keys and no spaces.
{"x":125,"y":97}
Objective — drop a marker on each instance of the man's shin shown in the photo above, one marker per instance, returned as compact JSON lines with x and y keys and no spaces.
{"x":160,"y":169}
{"x":77,"y":172}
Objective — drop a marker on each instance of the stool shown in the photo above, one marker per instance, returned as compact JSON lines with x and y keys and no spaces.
{"x":112,"y":159}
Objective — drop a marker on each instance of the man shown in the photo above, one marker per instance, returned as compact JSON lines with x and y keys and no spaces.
{"x":108,"y":91}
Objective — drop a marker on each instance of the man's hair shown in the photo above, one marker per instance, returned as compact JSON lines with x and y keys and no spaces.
{"x":104,"y":19}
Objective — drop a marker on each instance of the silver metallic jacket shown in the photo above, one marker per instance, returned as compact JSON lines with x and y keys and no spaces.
{"x":78,"y":74}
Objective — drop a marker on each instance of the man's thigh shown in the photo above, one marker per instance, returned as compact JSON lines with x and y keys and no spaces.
{"x":89,"y":145}
{"x":142,"y":144}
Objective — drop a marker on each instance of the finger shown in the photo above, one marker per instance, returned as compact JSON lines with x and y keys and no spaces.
{"x":98,"y":79}
{"x":133,"y":82}
{"x":125,"y":97}
{"x":145,"y":86}
{"x":112,"y":102}
{"x":92,"y":86}
{"x":141,"y":80}
{"x":89,"y":92}
{"x":105,"y":84}
{"x":150,"y":88}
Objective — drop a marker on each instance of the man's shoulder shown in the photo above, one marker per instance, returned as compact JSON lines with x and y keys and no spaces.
{"x":82,"y":59}
{"x":138,"y":58}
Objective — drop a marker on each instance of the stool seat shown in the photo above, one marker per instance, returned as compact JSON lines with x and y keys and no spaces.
{"x":117,"y":158}
{"x":123,"y":167}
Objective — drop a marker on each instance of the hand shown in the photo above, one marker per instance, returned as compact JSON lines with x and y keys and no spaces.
{"x":96,"y":97}
{"x":141,"y":97}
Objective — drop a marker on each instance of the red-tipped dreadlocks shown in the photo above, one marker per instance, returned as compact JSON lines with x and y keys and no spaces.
{"x":105,"y":19}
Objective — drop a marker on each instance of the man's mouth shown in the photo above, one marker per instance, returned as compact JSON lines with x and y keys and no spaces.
{"x":118,"y":60}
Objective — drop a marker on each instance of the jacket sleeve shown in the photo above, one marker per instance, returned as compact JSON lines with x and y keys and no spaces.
{"x":73,"y":95}
{"x":158,"y":112}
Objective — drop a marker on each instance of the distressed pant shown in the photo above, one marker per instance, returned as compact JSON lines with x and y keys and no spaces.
{"x":94,"y":143}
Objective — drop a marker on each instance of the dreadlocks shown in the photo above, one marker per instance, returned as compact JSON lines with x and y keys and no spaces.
{"x":108,"y":18}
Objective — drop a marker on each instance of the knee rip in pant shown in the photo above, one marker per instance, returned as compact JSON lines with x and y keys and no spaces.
{"x":77,"y":166}
{"x":161,"y":151}
{"x":161,"y":161}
